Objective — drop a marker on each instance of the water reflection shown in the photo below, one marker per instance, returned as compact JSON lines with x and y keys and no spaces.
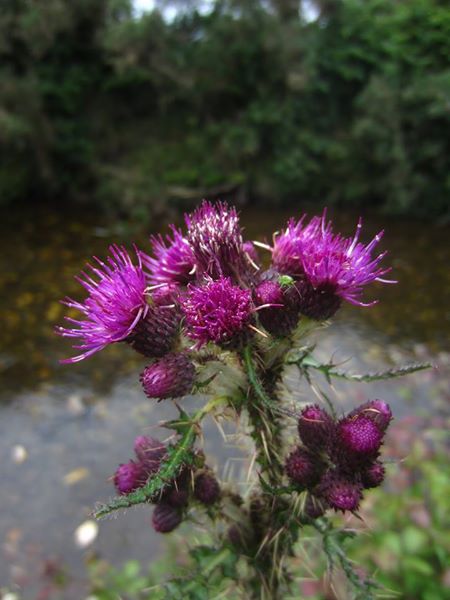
{"x":77,"y":422}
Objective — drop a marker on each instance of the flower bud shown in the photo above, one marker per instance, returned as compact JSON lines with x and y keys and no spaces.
{"x":149,"y":452}
{"x":315,"y":427}
{"x":154,"y":336}
{"x":373,"y":476}
{"x":314,"y":507}
{"x":359,"y":436}
{"x":318,"y":303}
{"x":170,"y":377}
{"x":129,"y":477}
{"x":340,"y":493}
{"x":280,"y":316}
{"x":206,"y":488}
{"x":166,"y":518}
{"x":176,"y":496}
{"x":301,"y":468}
{"x":377,"y":410}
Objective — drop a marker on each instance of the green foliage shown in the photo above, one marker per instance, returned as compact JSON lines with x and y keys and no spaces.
{"x":134,"y":113}
{"x":211,"y":573}
{"x":408,"y":544}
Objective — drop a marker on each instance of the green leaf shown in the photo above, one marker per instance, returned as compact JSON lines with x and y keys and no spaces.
{"x":307,"y":361}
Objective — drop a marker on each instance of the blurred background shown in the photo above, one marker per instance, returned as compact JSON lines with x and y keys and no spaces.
{"x":115,"y":117}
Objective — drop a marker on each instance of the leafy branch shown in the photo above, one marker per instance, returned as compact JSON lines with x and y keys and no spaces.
{"x":332,"y":541}
{"x":178,"y":456}
{"x":329,"y":370}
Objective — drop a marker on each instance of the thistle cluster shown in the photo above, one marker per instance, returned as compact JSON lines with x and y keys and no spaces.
{"x":191,"y":484}
{"x":208,"y":286}
{"x":209,"y":314}
{"x":338,"y":460}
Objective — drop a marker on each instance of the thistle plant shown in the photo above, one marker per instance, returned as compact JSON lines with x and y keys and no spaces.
{"x":210,"y":314}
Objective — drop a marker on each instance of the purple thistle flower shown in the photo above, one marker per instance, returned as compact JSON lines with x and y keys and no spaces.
{"x":116,"y":303}
{"x":217,"y":311}
{"x":341,"y":266}
{"x":287,"y":248}
{"x":173,"y":260}
{"x":302,"y":468}
{"x":166,"y":518}
{"x":170,"y":377}
{"x":129,"y":477}
{"x":215,"y":237}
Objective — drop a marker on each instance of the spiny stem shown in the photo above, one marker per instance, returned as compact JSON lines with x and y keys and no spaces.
{"x":179,"y":455}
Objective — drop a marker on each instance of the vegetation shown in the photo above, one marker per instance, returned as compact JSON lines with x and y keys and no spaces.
{"x":406,"y":543}
{"x":250,"y":99}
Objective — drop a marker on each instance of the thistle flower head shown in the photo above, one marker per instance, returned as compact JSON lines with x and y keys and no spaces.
{"x":359,"y":436}
{"x":116,"y":303}
{"x":206,"y":488}
{"x":172,"y":261}
{"x":373,"y":476}
{"x":302,"y":468}
{"x":166,"y":518}
{"x":215,"y":236}
{"x":316,"y":427}
{"x":149,"y":452}
{"x":377,"y":410}
{"x":341,"y":266}
{"x":314,"y":507}
{"x":170,"y":377}
{"x":287,"y":251}
{"x":216,"y":311}
{"x":155,"y":335}
{"x":277,"y":307}
{"x":340,"y":493}
{"x":129,"y":477}
{"x":176,"y":496}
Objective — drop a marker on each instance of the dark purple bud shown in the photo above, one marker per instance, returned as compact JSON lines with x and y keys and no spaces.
{"x":318,"y":303}
{"x":154,"y":336}
{"x":279,"y":314}
{"x":129,"y":477}
{"x":377,"y":410}
{"x":236,"y":537}
{"x":166,"y":518}
{"x":301,"y":468}
{"x":314,"y":507}
{"x":176,"y":496}
{"x":340,"y":494}
{"x":359,"y":436}
{"x":206,"y":488}
{"x":169,"y":377}
{"x":149,"y":452}
{"x":315,"y":427}
{"x":373,"y":476}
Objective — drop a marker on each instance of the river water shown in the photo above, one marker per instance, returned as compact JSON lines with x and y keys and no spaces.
{"x":64,"y":428}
